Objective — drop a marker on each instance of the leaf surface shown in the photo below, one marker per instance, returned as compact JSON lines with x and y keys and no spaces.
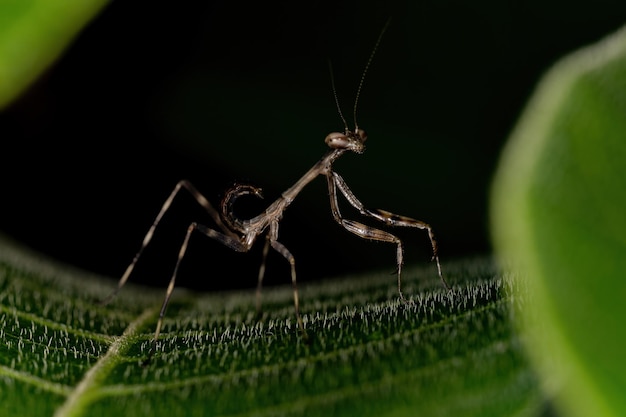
{"x":366,"y":352}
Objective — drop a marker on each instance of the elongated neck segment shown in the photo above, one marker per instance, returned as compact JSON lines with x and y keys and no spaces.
{"x":321,"y":167}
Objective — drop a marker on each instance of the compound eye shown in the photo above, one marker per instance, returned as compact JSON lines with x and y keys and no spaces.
{"x":361,"y":134}
{"x":337,"y":140}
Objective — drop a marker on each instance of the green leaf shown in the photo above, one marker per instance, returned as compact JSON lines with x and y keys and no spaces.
{"x":559,"y":213}
{"x":33,"y":34}
{"x":366,"y":354}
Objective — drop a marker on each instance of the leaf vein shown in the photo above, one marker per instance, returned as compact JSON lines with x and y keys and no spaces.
{"x":85,"y":391}
{"x":35,"y":381}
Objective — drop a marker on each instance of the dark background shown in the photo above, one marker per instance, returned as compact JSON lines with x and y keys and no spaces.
{"x":218,"y":91}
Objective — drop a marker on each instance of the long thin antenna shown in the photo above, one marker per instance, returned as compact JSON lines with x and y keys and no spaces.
{"x":367,"y":65}
{"x":332,"y":83}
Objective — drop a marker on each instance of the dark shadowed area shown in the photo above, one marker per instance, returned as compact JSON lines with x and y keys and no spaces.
{"x":217,"y":92}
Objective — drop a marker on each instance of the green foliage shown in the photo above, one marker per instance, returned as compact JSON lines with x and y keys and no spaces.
{"x":33,"y":34}
{"x":366,"y":352}
{"x":559,"y":212}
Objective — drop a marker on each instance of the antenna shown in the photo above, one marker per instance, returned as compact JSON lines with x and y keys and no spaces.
{"x":367,"y":65}
{"x":332,"y":83}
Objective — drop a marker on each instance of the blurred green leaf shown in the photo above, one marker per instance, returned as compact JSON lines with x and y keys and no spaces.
{"x":367,"y":353}
{"x":559,"y":213}
{"x":33,"y":33}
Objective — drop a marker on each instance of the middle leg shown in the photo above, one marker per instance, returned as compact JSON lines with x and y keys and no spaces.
{"x":224,"y":239}
{"x":280,"y":248}
{"x":259,"y":285}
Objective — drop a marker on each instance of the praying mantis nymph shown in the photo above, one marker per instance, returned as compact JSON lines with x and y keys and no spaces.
{"x":241,"y":234}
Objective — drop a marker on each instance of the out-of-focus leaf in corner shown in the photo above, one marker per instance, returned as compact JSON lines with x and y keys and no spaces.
{"x":33,"y":34}
{"x":559,"y":214}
